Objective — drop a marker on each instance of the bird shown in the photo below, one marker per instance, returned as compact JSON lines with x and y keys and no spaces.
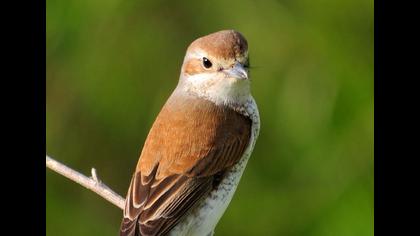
{"x":198,"y":146}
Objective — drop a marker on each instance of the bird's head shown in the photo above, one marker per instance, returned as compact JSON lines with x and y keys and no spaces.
{"x":216,"y":67}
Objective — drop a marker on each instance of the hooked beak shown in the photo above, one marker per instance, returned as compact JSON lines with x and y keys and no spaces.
{"x":237,"y":71}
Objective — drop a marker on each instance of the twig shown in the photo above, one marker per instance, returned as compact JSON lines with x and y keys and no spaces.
{"x":93,"y":183}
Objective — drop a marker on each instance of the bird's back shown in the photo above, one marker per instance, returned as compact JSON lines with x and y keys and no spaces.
{"x":191,"y":145}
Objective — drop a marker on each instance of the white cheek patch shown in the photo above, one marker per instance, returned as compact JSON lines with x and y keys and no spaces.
{"x":218,"y":88}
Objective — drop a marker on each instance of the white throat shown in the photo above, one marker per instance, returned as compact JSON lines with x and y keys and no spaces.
{"x":217,"y":88}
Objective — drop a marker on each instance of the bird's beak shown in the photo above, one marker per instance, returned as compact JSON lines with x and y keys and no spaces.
{"x":237,"y":71}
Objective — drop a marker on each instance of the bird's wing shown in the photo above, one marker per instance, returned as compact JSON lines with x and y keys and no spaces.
{"x":188,"y":148}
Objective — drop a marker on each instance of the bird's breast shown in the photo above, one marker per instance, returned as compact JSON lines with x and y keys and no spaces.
{"x":203,"y":219}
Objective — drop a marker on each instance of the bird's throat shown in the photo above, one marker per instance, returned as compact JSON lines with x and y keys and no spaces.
{"x":217,"y":88}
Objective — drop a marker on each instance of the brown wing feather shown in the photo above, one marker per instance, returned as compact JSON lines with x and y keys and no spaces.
{"x":191,"y":142}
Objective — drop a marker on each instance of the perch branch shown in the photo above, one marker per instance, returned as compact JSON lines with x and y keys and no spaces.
{"x":93,"y":183}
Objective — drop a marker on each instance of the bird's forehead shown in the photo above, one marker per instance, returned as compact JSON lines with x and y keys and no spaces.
{"x":226,"y":44}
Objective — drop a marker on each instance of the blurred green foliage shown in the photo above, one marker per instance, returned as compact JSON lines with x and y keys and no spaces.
{"x":111,"y":65}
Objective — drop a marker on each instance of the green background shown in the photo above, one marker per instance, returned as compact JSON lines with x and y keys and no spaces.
{"x":111,"y":65}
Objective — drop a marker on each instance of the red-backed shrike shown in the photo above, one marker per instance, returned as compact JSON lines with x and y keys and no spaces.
{"x":198,"y":146}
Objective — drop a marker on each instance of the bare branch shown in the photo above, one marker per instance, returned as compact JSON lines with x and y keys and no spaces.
{"x":93,"y":183}
{"x":94,"y":175}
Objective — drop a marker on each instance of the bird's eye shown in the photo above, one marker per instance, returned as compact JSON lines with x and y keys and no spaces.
{"x":207,"y":63}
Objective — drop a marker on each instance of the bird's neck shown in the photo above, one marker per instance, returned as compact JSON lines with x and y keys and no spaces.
{"x":221,"y":91}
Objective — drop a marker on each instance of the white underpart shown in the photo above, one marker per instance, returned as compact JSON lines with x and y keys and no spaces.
{"x":218,"y":88}
{"x":202,"y":220}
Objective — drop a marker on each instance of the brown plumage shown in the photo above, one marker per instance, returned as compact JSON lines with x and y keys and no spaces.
{"x":194,"y":140}
{"x":191,"y":141}
{"x":222,"y":45}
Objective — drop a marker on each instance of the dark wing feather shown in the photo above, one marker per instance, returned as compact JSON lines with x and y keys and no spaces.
{"x":166,"y":203}
{"x":188,"y":148}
